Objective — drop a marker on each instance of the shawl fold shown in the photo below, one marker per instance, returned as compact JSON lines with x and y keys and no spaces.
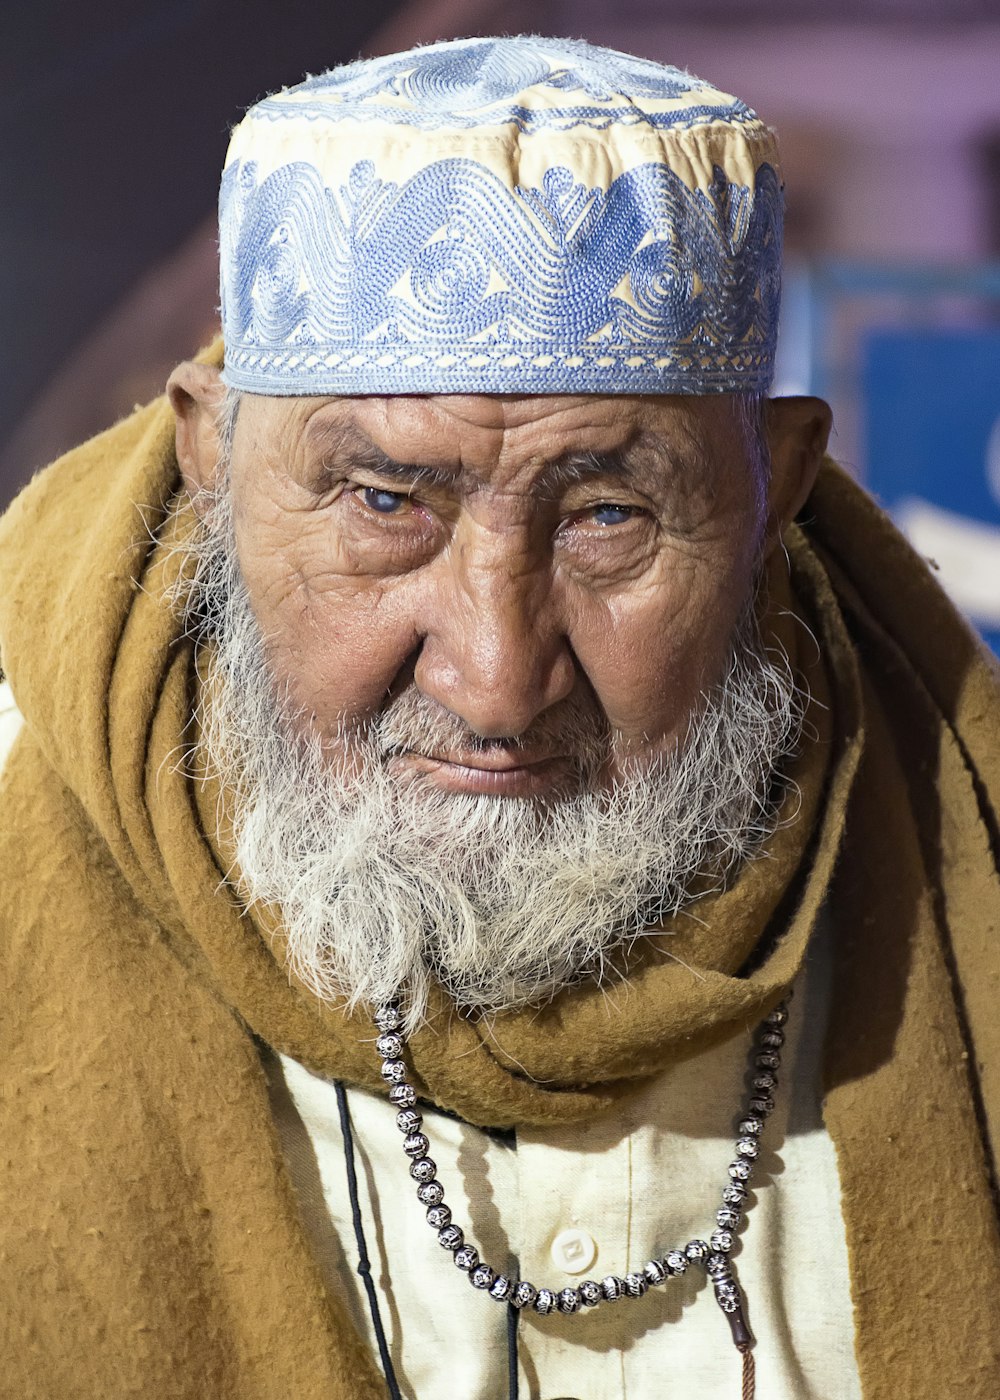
{"x":150,"y":1238}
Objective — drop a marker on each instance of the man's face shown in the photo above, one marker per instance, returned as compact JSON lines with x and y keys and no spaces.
{"x":486,"y":685}
{"x":509,"y":557}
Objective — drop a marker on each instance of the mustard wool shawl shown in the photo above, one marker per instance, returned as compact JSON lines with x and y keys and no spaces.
{"x":150,"y":1241}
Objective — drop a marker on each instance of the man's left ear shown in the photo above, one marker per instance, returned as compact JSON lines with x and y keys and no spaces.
{"x":798,"y":430}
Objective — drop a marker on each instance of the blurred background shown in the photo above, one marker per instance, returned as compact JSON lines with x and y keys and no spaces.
{"x":116,"y":116}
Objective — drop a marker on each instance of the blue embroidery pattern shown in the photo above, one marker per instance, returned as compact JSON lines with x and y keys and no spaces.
{"x":453,"y":282}
{"x":469,"y":84}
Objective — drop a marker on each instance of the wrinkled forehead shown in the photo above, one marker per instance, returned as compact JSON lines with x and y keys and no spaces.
{"x":552,"y":440}
{"x":477,"y":430}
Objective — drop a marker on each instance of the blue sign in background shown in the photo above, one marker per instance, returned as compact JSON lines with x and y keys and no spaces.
{"x":932,"y":454}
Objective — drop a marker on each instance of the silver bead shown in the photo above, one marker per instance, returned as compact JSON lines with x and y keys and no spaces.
{"x":735,"y":1193}
{"x":763,"y":1104}
{"x":403,"y":1095}
{"x":466,"y":1258}
{"x":590,"y":1293}
{"x":524,"y":1294}
{"x":430,"y":1193}
{"x":569,"y":1300}
{"x":393,"y":1071}
{"x":696,"y":1251}
{"x":546,"y":1302}
{"x":438,"y":1217}
{"x":745,"y":1147}
{"x":676,"y":1262}
{"x":721,"y":1241}
{"x":773,"y":1039}
{"x":388,"y":1017}
{"x":500,"y":1288}
{"x":740,"y":1170}
{"x":717,"y":1267}
{"x":768,"y":1060}
{"x":482,"y":1276}
{"x":636,"y":1285}
{"x":451,"y":1237}
{"x":777,"y":1017}
{"x":751,"y":1127}
{"x":727,"y":1293}
{"x":417,"y":1144}
{"x":726,"y":1218}
{"x":389,"y":1046}
{"x":654,"y":1271}
{"x":612,"y":1287}
{"x":423,"y":1169}
{"x":764,"y":1082}
{"x":408,"y":1120}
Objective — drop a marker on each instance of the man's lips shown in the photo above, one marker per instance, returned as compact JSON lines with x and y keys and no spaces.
{"x":506,"y":773}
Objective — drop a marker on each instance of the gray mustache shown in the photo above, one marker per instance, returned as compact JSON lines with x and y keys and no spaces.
{"x":413,"y":722}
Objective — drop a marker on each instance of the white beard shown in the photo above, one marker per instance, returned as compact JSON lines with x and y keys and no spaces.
{"x":385,"y":887}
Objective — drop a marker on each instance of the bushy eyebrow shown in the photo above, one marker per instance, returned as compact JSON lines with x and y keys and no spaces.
{"x":371,"y":458}
{"x":645,"y":462}
{"x":343,"y":443}
{"x":575,"y":467}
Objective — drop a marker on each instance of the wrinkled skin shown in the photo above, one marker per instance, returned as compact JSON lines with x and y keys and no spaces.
{"x":490,"y":565}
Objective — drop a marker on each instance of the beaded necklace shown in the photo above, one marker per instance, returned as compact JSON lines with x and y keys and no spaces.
{"x":517,"y":1294}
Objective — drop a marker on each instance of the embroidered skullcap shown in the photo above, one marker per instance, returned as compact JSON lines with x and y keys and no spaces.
{"x":519,"y":215}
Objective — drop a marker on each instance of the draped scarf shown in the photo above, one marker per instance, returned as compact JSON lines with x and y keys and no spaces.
{"x":151,"y":1241}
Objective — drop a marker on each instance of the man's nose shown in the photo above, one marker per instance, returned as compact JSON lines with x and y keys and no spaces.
{"x":496,"y":653}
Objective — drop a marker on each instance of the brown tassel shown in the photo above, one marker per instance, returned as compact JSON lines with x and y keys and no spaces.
{"x":749,"y":1375}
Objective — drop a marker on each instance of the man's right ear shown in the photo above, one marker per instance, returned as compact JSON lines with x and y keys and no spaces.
{"x":195,"y":392}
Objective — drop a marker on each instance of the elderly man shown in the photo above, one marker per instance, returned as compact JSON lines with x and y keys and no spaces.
{"x":449,"y":737}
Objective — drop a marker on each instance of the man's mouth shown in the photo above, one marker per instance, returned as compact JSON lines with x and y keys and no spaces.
{"x":498,"y":773}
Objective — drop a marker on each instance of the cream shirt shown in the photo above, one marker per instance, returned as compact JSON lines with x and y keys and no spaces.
{"x":582,"y":1202}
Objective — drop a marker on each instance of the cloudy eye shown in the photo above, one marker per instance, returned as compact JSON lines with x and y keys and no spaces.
{"x":606,"y":514}
{"x":385,"y":502}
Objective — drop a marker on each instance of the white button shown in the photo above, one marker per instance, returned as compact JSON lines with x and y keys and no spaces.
{"x":573,"y":1251}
